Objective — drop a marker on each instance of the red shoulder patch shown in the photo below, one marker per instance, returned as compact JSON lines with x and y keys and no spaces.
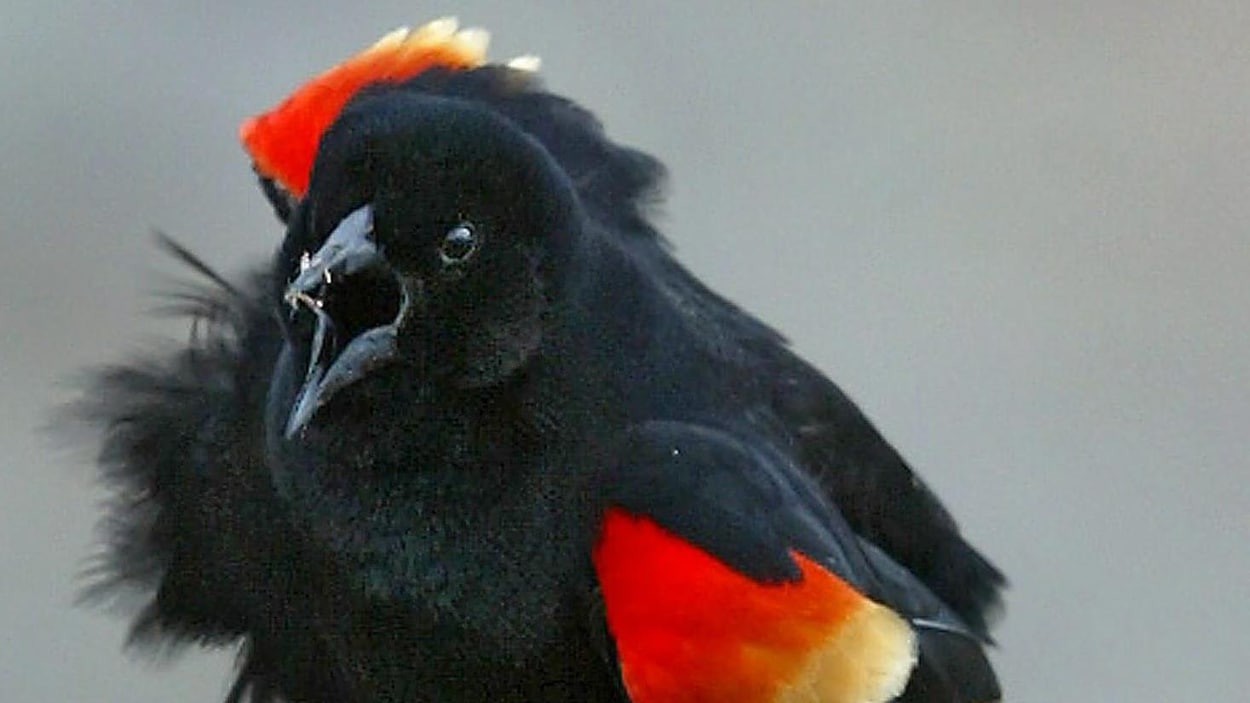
{"x":283,"y":141}
{"x":690,"y":629}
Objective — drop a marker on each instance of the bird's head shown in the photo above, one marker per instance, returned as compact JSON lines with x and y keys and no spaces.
{"x":428,"y":245}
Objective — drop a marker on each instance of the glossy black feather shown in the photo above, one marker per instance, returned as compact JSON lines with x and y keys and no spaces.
{"x":428,"y":536}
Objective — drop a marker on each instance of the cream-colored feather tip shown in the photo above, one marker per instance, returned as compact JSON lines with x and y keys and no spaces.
{"x":526,"y":62}
{"x":473,"y":41}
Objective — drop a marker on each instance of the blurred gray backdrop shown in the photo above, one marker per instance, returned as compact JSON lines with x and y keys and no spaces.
{"x":1015,"y":232}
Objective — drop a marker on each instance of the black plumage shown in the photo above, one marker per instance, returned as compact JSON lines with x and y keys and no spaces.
{"x":411,"y":517}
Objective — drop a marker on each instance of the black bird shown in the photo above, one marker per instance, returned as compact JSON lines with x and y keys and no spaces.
{"x":476,"y":436}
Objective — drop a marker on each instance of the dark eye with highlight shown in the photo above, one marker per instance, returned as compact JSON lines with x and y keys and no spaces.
{"x":459,"y":245}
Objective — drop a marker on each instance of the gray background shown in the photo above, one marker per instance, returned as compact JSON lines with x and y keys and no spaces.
{"x":1015,"y":232}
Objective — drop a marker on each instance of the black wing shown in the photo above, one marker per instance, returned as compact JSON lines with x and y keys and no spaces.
{"x":739,"y":498}
{"x":881,"y":497}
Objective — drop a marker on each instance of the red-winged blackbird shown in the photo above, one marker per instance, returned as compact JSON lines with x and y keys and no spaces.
{"x":476,"y":436}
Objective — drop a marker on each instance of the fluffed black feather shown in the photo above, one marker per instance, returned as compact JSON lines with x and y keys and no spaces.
{"x":194,"y":522}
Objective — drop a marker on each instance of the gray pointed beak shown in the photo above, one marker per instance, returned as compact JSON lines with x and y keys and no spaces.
{"x":347,"y":250}
{"x":335,"y":362}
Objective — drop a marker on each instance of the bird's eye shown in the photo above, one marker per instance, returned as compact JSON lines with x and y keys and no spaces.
{"x":459,"y":245}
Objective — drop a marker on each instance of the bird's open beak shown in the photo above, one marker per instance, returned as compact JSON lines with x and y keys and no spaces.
{"x":346,"y":279}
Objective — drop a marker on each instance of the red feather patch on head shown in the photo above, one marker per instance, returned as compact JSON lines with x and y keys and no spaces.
{"x":283,"y":141}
